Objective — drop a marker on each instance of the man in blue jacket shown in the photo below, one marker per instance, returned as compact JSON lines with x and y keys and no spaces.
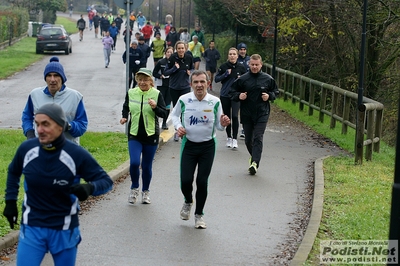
{"x":113,"y":30}
{"x":71,"y":101}
{"x":52,"y":167}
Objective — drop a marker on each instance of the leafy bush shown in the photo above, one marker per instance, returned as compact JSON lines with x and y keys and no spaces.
{"x":16,"y":18}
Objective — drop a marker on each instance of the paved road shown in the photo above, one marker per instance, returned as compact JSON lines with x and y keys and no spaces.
{"x":249,"y":218}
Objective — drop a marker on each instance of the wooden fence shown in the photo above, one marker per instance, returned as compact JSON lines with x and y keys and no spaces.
{"x":338,"y":104}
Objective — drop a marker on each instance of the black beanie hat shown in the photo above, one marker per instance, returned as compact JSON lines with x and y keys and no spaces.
{"x":55,"y":67}
{"x":55,"y":112}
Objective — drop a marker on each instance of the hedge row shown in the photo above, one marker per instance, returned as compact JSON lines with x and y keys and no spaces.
{"x":16,"y":18}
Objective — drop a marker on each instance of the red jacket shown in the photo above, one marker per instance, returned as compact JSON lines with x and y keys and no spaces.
{"x":147,"y":31}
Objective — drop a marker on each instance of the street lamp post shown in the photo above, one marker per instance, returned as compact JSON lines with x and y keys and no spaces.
{"x":275,"y":42}
{"x":180,"y":15}
{"x":360,"y":131}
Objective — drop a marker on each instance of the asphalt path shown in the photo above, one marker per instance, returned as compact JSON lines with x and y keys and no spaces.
{"x":249,"y":218}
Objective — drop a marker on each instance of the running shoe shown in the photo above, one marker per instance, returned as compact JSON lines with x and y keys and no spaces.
{"x":185,"y":212}
{"x":199,"y":222}
{"x":133,"y":195}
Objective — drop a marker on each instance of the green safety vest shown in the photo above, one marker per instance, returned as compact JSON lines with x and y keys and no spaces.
{"x":136,"y":98}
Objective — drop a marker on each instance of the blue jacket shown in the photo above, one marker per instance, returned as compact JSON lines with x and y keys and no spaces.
{"x":244,"y":61}
{"x":141,"y":20}
{"x":113,"y":31}
{"x":49,"y":174}
{"x":71,"y":101}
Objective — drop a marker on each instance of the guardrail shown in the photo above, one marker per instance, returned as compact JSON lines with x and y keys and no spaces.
{"x":338,"y":104}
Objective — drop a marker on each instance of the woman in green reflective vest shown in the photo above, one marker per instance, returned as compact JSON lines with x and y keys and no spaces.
{"x":144,"y":104}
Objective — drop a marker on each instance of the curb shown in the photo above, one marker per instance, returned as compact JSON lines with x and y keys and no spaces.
{"x":315,"y":218}
{"x":11,"y":238}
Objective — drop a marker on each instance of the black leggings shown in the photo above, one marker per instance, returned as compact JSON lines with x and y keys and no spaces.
{"x":175,"y":94}
{"x":200,"y":155}
{"x":231,"y":109}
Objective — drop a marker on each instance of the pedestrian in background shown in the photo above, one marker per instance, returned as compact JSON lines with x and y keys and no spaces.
{"x":96,"y":23}
{"x":197,"y":31}
{"x":146,"y":51}
{"x":118,"y":22}
{"x":110,"y":18}
{"x":141,"y":20}
{"x":127,"y":36}
{"x":71,"y":8}
{"x":201,"y":115}
{"x":90,"y":17}
{"x":157,"y":28}
{"x":70,"y":100}
{"x":197,"y":50}
{"x":162,"y":81}
{"x":135,"y":57}
{"x":178,"y":69}
{"x":147,"y":32}
{"x":107,"y":45}
{"x":254,"y":90}
{"x":158,"y":47}
{"x":227,"y":73}
{"x":52,"y":167}
{"x":211,"y":55}
{"x":81,"y":25}
{"x":143,"y":104}
{"x":104,"y":25}
{"x":132,"y":19}
{"x":243,"y":59}
{"x":113,"y":30}
{"x":184,"y":36}
{"x":172,"y":37}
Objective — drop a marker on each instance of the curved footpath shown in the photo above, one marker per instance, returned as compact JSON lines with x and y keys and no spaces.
{"x":249,"y":218}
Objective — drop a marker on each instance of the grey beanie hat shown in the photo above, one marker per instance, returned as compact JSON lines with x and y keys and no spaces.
{"x":55,"y":112}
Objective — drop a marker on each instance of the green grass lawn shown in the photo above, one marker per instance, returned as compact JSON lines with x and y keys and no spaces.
{"x":22,"y":54}
{"x":109,"y":149}
{"x":357,"y":198}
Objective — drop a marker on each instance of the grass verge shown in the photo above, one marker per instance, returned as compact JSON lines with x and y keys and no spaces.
{"x":109,"y":149}
{"x":357,"y":198}
{"x":22,"y":54}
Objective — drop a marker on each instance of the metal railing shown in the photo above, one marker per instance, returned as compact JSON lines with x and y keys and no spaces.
{"x":336,"y":103}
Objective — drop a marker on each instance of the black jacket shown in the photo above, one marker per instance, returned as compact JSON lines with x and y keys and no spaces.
{"x":159,"y":70}
{"x":253,"y":109}
{"x":179,"y":79}
{"x":227,"y":79}
{"x":146,"y":53}
{"x":96,"y":20}
{"x":134,"y":54}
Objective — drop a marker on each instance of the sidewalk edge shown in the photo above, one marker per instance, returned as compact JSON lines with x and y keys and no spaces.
{"x":315,"y":217}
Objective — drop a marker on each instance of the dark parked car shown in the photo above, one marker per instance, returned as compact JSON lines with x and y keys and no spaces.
{"x":53,"y":38}
{"x":101,"y":9}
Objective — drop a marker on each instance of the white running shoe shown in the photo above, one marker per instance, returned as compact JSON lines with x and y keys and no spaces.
{"x":229,"y":142}
{"x":146,"y":197}
{"x":199,"y":222}
{"x":234,"y":143}
{"x":133,"y":195}
{"x":185,"y":212}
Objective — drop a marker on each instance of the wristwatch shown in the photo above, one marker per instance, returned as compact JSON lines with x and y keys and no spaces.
{"x":69,"y":127}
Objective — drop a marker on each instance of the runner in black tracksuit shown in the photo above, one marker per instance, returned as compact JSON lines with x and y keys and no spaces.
{"x":251,"y":90}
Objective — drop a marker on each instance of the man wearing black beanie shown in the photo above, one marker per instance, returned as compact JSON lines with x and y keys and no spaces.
{"x":52,"y":167}
{"x":71,"y":101}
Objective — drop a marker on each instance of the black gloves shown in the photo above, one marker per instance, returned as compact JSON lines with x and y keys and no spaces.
{"x":82,"y":191}
{"x":30,"y":134}
{"x":11,"y":212}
